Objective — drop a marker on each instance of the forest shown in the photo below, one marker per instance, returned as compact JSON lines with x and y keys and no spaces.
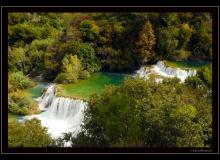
{"x":68,"y":47}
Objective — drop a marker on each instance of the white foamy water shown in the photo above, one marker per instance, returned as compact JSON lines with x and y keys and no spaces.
{"x":60,"y":114}
{"x":162,"y":70}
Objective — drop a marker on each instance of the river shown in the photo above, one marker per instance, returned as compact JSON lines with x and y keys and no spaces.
{"x":64,"y":114}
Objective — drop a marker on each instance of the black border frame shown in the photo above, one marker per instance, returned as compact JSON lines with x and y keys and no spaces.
{"x":215,"y":13}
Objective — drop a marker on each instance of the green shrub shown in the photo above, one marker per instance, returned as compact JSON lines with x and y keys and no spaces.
{"x":61,"y":78}
{"x":74,"y":80}
{"x":31,"y":134}
{"x":205,"y":74}
{"x":13,"y":107}
{"x":19,"y":81}
{"x":10,"y":87}
{"x":179,"y":55}
{"x":23,"y":110}
{"x":18,"y":102}
{"x":84,"y":74}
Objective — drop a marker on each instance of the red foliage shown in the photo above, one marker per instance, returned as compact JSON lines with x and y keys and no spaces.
{"x":79,"y":20}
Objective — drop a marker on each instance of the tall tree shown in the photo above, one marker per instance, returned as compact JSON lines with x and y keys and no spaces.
{"x":71,"y":66}
{"x":146,"y":42}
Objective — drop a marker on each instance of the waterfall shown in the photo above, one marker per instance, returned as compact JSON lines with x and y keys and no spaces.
{"x":68,"y":110}
{"x":60,"y":114}
{"x":161,"y":69}
{"x":142,"y":71}
{"x":175,"y":72}
{"x":47,"y":97}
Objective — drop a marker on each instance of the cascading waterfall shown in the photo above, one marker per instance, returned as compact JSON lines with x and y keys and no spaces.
{"x":60,"y":114}
{"x":161,"y":69}
{"x":47,"y":97}
{"x":142,"y":71}
{"x":175,"y":72}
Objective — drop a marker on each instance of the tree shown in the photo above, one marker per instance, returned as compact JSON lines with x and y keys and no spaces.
{"x":201,"y":41}
{"x":22,"y":58}
{"x":167,"y":41}
{"x":185,"y":35}
{"x":88,"y":29}
{"x":15,"y":18}
{"x":20,"y":32}
{"x":185,"y":17}
{"x":61,"y":78}
{"x":88,"y":59}
{"x":47,"y":31}
{"x":121,"y":120}
{"x":72,"y":34}
{"x":205,"y":74}
{"x":141,"y":113}
{"x":71,"y":66}
{"x":32,"y":134}
{"x":169,"y":18}
{"x":79,"y":20}
{"x":146,"y":42}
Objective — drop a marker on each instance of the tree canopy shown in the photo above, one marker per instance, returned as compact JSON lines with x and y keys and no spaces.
{"x":105,"y":40}
{"x":141,"y":113}
{"x":65,"y":47}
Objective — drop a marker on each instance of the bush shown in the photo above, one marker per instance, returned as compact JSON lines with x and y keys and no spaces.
{"x":61,"y":78}
{"x":140,"y":113}
{"x":10,"y":87}
{"x":18,"y":102}
{"x":19,"y":81}
{"x":13,"y":107}
{"x":84,"y":74}
{"x":205,"y":74}
{"x":194,"y":81}
{"x":74,"y":80}
{"x":31,"y":134}
{"x":179,"y":55}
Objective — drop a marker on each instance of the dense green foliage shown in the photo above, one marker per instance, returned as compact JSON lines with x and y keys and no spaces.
{"x":17,"y":80}
{"x":18,"y":101}
{"x":38,"y":42}
{"x":65,"y":47}
{"x":141,"y":113}
{"x":203,"y":80}
{"x":31,"y":134}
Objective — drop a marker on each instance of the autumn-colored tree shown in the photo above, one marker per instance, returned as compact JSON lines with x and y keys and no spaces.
{"x":79,"y":20}
{"x":146,"y":42}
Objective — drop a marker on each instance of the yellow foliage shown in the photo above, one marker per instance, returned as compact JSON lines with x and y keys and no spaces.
{"x":146,"y":42}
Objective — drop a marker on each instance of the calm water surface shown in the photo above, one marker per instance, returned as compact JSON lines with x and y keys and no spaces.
{"x":192,"y":63}
{"x":97,"y":82}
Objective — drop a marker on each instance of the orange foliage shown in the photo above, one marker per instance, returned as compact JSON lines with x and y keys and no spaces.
{"x":79,"y":20}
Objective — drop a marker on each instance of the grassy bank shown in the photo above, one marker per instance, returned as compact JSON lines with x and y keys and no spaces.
{"x":62,"y":92}
{"x":190,"y":64}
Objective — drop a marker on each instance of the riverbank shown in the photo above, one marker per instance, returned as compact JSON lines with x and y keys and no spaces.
{"x":61,"y":92}
{"x":189,"y":64}
{"x":98,"y":80}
